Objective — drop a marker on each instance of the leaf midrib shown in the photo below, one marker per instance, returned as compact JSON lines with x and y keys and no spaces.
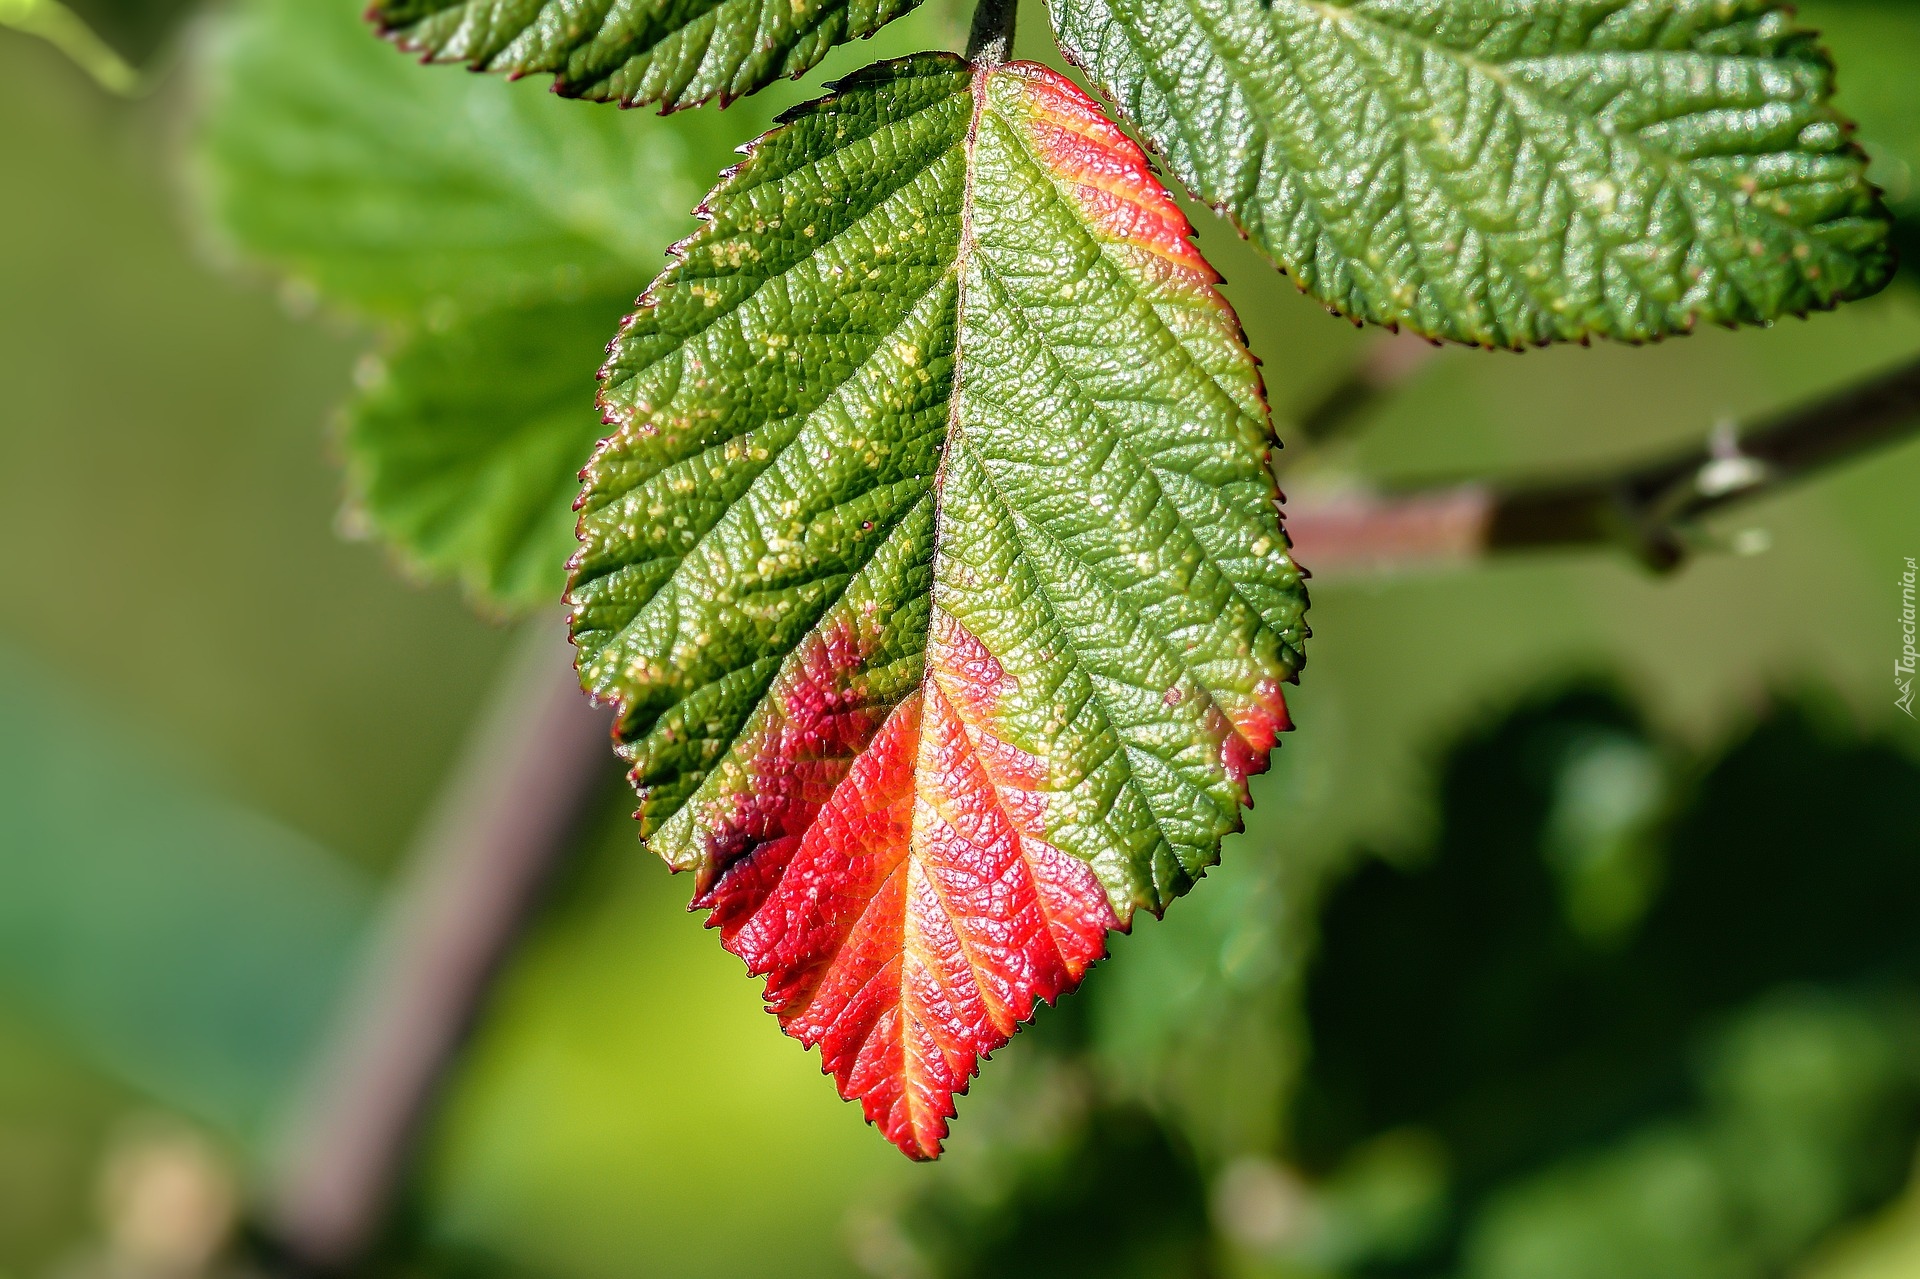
{"x":1147,"y":620}
{"x":1121,"y":442}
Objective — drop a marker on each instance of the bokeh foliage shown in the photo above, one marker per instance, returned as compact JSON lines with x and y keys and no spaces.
{"x":495,"y":234}
{"x":1493,"y":1088}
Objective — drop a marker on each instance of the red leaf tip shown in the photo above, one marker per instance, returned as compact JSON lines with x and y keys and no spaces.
{"x":910,"y":916}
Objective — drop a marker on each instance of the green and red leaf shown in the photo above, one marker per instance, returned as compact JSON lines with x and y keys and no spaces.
{"x":935,"y":566}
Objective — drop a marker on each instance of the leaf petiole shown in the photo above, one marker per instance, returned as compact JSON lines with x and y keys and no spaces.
{"x":990,"y":39}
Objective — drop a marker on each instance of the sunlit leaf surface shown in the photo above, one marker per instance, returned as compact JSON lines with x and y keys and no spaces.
{"x":1507,"y":172}
{"x":935,"y":566}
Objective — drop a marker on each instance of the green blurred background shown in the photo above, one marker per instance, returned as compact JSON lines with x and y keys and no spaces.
{"x":1576,"y":932}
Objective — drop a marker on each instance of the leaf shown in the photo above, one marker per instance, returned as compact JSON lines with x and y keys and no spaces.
{"x":935,"y":566}
{"x":1506,"y":172}
{"x":1876,"y":43}
{"x":494,"y":229}
{"x":397,"y":193}
{"x":636,"y":52}
{"x":464,"y":446}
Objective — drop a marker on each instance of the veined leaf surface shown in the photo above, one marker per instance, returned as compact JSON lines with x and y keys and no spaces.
{"x":935,"y":565}
{"x":1877,"y":44}
{"x":678,"y":53}
{"x":1506,"y":172}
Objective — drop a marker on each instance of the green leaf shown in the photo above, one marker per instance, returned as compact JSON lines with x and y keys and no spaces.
{"x":635,"y":52}
{"x":494,"y":229}
{"x":935,"y":565}
{"x":396,"y":192}
{"x":1506,"y":172}
{"x":1877,"y":44}
{"x":464,"y":446}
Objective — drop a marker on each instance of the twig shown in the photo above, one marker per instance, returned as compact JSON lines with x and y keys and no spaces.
{"x":1649,"y":509}
{"x":990,"y":41}
{"x":507,"y":814}
{"x":1388,"y":363}
{"x":503,"y":819}
{"x":68,"y":32}
{"x":1348,"y":534}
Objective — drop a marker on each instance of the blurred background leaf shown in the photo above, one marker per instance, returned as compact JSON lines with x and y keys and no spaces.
{"x":166,"y":549}
{"x":498,"y":231}
{"x":377,"y":185}
{"x":1773,"y":991}
{"x":464,"y":446}
{"x":190,"y":946}
{"x":1493,"y":1091}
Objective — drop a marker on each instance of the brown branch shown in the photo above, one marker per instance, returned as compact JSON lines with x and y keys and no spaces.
{"x":504,"y":817}
{"x":1649,"y":509}
{"x":990,"y":38}
{"x":1387,"y":364}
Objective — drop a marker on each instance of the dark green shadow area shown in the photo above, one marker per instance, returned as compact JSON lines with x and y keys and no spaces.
{"x":1743,"y":1021}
